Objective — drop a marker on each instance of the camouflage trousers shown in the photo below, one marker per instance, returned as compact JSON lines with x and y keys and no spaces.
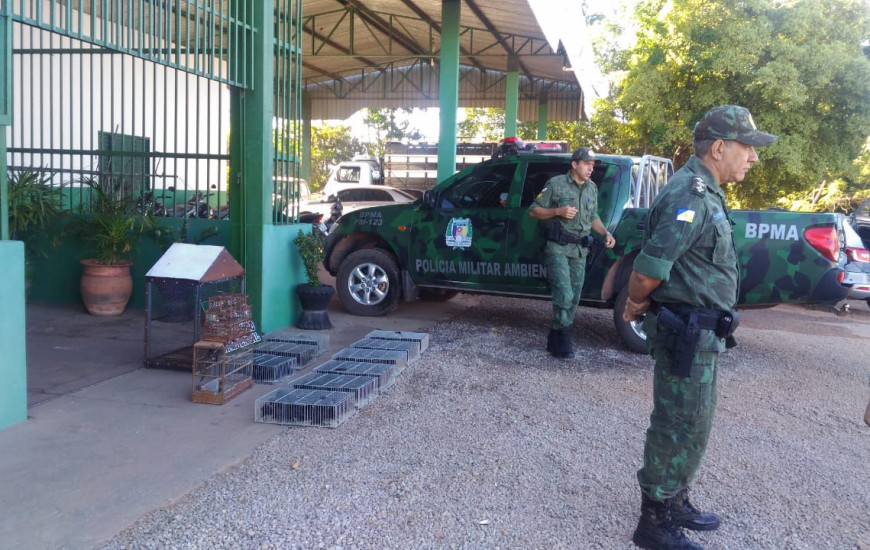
{"x":565,"y":276}
{"x":683,"y":410}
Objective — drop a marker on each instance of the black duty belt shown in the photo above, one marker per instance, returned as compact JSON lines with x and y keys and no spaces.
{"x":707,"y":318}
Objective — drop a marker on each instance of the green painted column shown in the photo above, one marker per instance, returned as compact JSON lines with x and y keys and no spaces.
{"x":512,"y":97}
{"x":251,"y":150}
{"x":13,"y":367}
{"x":305,"y":168}
{"x":543,"y":108}
{"x":448,"y":88}
{"x":13,"y":334}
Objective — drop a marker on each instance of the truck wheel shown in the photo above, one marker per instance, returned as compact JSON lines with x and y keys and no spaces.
{"x":632,"y":334}
{"x":368,"y":283}
{"x":437,"y":294}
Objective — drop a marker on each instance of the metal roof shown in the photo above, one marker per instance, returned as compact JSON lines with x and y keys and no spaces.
{"x":385,"y":53}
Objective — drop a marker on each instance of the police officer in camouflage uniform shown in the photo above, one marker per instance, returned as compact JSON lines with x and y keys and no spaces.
{"x":571,"y":200}
{"x":686,"y":277}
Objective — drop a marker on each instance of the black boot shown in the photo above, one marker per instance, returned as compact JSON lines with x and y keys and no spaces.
{"x":562,"y":346}
{"x":688,"y":517}
{"x":551,"y":340}
{"x":656,"y":531}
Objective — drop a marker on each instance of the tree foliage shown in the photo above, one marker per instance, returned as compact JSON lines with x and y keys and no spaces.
{"x":797,"y":65}
{"x":486,"y":124}
{"x":387,"y":126}
{"x":330,"y":144}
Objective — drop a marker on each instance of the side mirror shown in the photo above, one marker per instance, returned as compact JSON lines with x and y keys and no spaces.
{"x":429,"y":199}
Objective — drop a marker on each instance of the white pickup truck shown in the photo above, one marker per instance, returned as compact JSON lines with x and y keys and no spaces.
{"x":359,"y":171}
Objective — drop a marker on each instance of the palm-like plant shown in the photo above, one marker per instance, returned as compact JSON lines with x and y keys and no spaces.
{"x":33,"y":204}
{"x":114,"y":223}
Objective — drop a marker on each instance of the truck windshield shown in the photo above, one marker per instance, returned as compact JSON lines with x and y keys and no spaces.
{"x":347,"y":174}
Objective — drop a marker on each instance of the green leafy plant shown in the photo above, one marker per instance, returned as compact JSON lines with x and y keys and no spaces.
{"x":34,"y":204}
{"x":114,"y":223}
{"x":311,"y":251}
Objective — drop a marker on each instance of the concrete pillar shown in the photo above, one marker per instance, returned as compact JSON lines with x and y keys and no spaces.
{"x":13,"y":367}
{"x":543,"y":108}
{"x":256,"y":242}
{"x":305,"y":167}
{"x":511,"y":99}
{"x":448,"y":88}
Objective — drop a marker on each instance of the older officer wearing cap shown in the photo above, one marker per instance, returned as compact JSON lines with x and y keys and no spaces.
{"x":686,"y":277}
{"x":571,"y":201}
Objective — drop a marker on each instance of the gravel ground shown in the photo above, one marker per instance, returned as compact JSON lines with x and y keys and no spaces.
{"x":486,"y":442}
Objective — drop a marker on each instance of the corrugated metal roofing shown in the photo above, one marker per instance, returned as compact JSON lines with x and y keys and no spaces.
{"x":385,"y":53}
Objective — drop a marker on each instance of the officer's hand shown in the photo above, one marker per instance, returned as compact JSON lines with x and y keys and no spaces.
{"x":567,"y":212}
{"x":609,"y":241}
{"x":634,"y":310}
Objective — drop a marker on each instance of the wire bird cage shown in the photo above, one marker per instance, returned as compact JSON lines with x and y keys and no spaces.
{"x":304,"y":407}
{"x":185,"y":278}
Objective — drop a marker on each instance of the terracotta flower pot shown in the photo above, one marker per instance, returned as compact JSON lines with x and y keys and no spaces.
{"x":106,"y":289}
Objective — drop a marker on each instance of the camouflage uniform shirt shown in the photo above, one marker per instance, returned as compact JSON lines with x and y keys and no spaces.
{"x":564,"y":191}
{"x":688,"y":242}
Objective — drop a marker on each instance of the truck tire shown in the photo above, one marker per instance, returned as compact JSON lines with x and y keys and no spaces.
{"x":368,"y":283}
{"x":437,"y":294}
{"x":632,"y":334}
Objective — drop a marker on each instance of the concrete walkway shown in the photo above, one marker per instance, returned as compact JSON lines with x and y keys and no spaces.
{"x":107,"y":441}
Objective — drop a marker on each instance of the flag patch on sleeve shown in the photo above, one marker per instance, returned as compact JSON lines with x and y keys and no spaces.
{"x":685,"y":215}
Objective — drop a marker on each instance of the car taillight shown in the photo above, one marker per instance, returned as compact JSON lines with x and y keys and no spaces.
{"x":825,"y":241}
{"x":857,"y":254}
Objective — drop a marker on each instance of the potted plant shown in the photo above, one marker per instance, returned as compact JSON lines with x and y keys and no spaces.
{"x":313,"y":295}
{"x":33,"y":205}
{"x":113,"y":223}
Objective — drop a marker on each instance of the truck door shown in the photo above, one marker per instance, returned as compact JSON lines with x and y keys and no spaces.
{"x":462,"y":239}
{"x":525,"y":238}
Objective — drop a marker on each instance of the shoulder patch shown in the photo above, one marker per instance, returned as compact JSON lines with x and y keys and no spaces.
{"x":685,"y":215}
{"x":699,"y":187}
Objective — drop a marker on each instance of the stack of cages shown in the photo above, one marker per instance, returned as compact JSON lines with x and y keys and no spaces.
{"x":177,"y":288}
{"x":277,"y":367}
{"x":223,"y":360}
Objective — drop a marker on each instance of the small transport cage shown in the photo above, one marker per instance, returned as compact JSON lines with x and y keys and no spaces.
{"x":302,"y":407}
{"x":384,"y":374}
{"x":303,"y":353}
{"x":363,"y":387}
{"x":273,"y":369}
{"x":421,"y":338}
{"x":176,"y":287}
{"x":319,"y":341}
{"x":360,"y":355}
{"x":411,"y":349}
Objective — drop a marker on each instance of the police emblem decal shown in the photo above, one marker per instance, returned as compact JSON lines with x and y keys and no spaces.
{"x":459,"y":233}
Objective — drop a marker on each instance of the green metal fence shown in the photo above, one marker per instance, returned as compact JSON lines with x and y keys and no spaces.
{"x":136,"y":95}
{"x":288,"y":109}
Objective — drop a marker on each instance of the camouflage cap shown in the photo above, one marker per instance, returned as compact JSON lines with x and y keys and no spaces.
{"x":730,"y":122}
{"x":585,"y":154}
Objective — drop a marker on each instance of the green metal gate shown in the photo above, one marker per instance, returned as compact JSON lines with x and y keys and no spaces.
{"x":136,"y":95}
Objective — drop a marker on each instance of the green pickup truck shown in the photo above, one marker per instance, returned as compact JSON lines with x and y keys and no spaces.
{"x":473,"y":233}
